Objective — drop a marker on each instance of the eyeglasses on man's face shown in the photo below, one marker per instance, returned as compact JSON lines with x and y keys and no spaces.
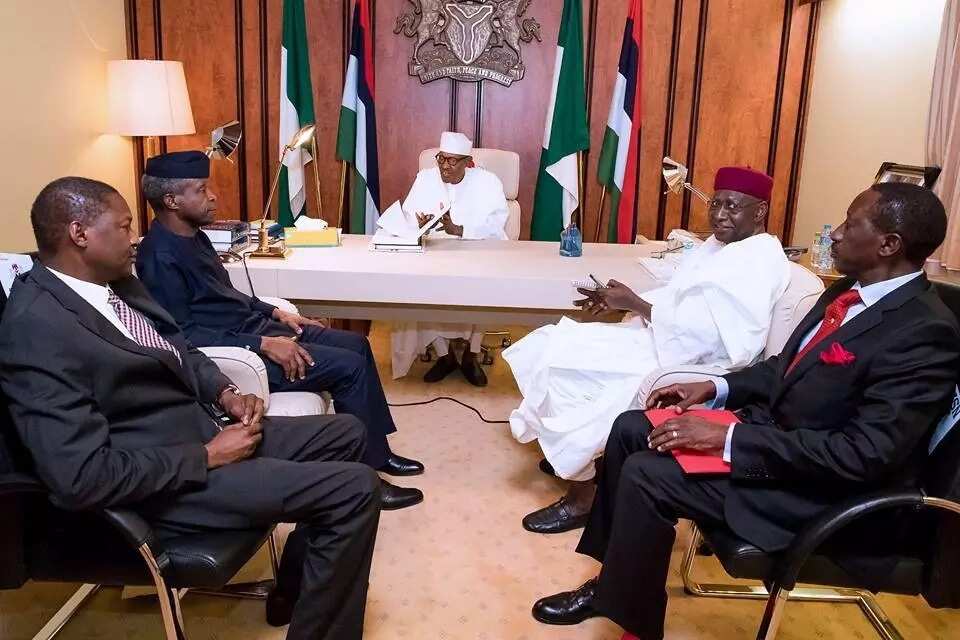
{"x":732,"y":205}
{"x":450,"y":161}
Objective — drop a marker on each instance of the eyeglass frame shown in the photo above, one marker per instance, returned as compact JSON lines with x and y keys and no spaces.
{"x":449,"y":161}
{"x":715,"y":204}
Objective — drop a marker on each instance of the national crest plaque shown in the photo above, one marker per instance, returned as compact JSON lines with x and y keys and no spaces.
{"x":468,"y":40}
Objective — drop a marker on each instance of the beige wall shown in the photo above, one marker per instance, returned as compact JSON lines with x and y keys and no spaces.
{"x":53,"y":57}
{"x":869,"y":101}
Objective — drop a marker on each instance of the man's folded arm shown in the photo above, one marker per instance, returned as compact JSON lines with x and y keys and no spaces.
{"x":751,"y":384}
{"x":175,"y":295}
{"x":908,"y":390}
{"x":210,"y":379}
{"x":69,"y":441}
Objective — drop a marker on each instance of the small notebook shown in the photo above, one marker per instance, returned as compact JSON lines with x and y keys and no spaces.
{"x":696,"y":462}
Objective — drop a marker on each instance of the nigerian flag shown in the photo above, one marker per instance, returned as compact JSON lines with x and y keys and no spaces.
{"x":296,"y":110}
{"x":357,"y":133}
{"x":566,"y":133}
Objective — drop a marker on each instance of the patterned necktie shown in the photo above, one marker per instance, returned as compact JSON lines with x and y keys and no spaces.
{"x":139,"y":327}
{"x":832,"y":319}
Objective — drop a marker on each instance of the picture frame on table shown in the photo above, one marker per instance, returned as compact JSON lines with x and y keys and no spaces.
{"x":920,"y":176}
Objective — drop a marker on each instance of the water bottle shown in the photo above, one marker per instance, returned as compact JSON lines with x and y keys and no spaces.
{"x":815,"y":251}
{"x":826,"y":258}
{"x":571,"y":242}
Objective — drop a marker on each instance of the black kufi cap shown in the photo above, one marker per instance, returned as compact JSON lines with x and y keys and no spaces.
{"x":179,"y":164}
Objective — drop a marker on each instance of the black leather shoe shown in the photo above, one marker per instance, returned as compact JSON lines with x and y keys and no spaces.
{"x":444,"y":366}
{"x":279,"y":610}
{"x":547,"y":468}
{"x":555,"y":518}
{"x":472,"y":370}
{"x":569,"y":607}
{"x":400,"y":466}
{"x":393,"y":497}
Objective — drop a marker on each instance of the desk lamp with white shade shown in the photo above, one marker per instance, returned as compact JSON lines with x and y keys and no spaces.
{"x":264,"y":248}
{"x":148,"y":99}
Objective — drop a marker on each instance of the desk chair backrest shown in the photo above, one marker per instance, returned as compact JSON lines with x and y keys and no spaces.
{"x":942,"y":480}
{"x":505,"y":165}
{"x":802,"y":293}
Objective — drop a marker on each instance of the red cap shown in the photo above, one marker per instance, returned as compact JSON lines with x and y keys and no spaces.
{"x":745,"y":180}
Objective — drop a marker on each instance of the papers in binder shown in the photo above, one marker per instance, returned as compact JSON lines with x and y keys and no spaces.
{"x":399,"y":228}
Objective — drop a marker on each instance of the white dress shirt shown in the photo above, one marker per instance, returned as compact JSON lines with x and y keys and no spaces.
{"x":869,"y":296}
{"x":96,"y":296}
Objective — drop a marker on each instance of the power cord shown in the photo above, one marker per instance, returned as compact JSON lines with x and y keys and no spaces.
{"x":462,"y":404}
{"x":243,"y":258}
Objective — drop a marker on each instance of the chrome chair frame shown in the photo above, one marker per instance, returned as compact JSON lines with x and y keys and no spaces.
{"x":778,"y":595}
{"x":169,"y":597}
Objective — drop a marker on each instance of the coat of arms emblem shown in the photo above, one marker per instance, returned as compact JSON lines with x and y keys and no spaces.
{"x":468,"y":40}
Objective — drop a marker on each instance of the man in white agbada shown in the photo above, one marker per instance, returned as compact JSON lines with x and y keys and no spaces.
{"x":476,"y":209}
{"x":576,"y":378}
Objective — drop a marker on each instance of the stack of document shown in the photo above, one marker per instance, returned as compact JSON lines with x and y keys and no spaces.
{"x":399,"y":231}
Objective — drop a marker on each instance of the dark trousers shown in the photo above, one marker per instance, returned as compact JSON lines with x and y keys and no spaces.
{"x":305,"y":471}
{"x":344,"y":367}
{"x":640,"y":496}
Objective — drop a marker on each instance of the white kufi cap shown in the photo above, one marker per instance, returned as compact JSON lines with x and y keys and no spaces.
{"x":455,"y":143}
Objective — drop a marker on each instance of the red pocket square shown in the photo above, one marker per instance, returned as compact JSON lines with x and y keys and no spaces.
{"x":837,"y":356}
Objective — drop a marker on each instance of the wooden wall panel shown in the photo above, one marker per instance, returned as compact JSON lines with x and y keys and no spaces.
{"x":724,"y":82}
{"x":692,"y":14}
{"x":740,"y":78}
{"x":205,"y":41}
{"x":784,"y":171}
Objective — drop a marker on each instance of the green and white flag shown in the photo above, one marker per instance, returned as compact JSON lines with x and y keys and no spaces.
{"x":296,"y":110}
{"x":566,"y":134}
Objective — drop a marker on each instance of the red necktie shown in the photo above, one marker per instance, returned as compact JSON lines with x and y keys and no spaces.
{"x":832,"y":319}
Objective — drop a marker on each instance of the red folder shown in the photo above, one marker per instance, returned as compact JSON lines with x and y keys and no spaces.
{"x":696,"y":462}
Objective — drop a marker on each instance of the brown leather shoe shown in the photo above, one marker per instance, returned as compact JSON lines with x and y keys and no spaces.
{"x":555,"y":518}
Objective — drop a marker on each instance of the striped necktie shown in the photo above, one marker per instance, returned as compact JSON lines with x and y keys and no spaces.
{"x":139,"y":327}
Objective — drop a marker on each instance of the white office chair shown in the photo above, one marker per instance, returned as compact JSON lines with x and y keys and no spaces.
{"x":506,"y":166}
{"x":801,"y":295}
{"x":247,"y":370}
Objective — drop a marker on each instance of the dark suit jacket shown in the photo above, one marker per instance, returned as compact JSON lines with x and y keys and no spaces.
{"x":106,"y":422}
{"x":185,"y":276}
{"x":824,"y":433}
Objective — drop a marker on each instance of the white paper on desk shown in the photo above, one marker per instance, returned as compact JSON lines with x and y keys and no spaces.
{"x":306,"y":223}
{"x":402,"y":224}
{"x":662,"y":269}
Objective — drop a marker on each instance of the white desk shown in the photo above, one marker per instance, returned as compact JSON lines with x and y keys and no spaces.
{"x":481,"y":282}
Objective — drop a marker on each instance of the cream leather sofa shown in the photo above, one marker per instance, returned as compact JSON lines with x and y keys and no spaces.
{"x":802,"y":293}
{"x":505,"y":165}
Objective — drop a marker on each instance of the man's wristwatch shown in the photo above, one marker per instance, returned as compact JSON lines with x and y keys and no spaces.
{"x":234,"y":389}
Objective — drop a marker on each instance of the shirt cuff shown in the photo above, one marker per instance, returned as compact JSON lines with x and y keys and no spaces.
{"x":728,"y":445}
{"x":723,"y":392}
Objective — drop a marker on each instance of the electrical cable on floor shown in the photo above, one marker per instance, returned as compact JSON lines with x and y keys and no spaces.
{"x":462,"y":404}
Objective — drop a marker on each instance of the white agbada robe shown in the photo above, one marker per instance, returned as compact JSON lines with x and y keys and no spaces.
{"x":479,"y":204}
{"x":576,"y":378}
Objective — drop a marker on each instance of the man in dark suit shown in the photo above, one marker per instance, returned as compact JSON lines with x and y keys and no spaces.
{"x":116,"y":408}
{"x":180,"y":268}
{"x":847,"y":408}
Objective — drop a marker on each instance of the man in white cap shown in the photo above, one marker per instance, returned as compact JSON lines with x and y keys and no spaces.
{"x":476,"y":209}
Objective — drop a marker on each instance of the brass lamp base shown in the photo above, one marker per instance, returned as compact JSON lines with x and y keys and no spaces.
{"x":266,"y":249}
